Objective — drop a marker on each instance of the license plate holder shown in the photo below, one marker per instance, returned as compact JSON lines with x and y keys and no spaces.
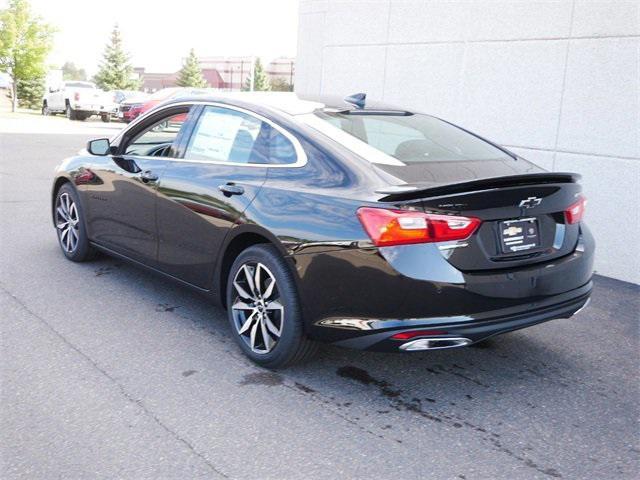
{"x":519,"y":235}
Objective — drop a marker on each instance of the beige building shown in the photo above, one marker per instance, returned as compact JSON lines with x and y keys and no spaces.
{"x":236,"y":70}
{"x":233,"y":70}
{"x":282,"y":68}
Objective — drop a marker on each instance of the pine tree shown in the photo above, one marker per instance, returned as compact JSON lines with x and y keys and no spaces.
{"x":191,"y":74}
{"x":115,"y":72}
{"x":30,"y":92}
{"x":260,"y":79}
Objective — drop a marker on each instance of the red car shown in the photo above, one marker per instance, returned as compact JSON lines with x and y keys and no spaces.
{"x":131,"y":110}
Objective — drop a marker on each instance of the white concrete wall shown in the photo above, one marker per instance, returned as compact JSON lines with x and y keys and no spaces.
{"x":557,"y":81}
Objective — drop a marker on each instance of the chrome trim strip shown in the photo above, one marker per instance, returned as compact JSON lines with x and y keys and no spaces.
{"x":450,"y":247}
{"x":301,"y":156}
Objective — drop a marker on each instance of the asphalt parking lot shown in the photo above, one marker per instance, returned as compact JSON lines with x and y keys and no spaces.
{"x":111,"y":372}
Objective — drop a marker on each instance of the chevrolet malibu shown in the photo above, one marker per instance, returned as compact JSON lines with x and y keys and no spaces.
{"x":331,"y":220}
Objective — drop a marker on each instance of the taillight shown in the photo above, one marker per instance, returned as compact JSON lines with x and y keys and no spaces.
{"x":76,"y":96}
{"x":575,"y":212}
{"x":401,"y":227}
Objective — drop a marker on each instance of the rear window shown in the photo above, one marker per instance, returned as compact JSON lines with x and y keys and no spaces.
{"x":79,"y":85}
{"x":414,"y":138}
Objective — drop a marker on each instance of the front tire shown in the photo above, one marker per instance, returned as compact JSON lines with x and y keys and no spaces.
{"x":45,"y":110}
{"x":105,"y":117}
{"x":264,"y":310}
{"x":70,"y":225}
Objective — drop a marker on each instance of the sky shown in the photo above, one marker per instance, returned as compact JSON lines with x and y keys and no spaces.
{"x":159,"y":34}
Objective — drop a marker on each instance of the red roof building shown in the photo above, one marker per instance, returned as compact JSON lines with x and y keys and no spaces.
{"x":152,"y":81}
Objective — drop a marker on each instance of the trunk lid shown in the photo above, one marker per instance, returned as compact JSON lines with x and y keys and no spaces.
{"x":523,"y":220}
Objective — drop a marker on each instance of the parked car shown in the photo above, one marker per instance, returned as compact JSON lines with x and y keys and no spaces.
{"x":133,"y":108}
{"x":78,"y":100}
{"x":115,"y":98}
{"x":363,"y":225}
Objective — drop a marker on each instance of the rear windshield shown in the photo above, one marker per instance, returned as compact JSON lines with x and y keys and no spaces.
{"x":414,"y":138}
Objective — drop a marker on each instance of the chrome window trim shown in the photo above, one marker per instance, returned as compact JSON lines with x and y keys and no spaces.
{"x":301,"y":156}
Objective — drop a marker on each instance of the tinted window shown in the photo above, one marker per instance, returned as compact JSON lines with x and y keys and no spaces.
{"x":157,"y":139}
{"x":225,"y":135}
{"x":415,"y":138}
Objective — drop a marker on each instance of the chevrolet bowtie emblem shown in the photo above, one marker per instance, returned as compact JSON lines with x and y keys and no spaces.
{"x":512,"y":231}
{"x":530,"y":202}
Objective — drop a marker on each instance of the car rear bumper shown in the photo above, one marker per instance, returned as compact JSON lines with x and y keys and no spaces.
{"x":361,"y":297}
{"x":379,"y":338}
{"x":83,"y":108}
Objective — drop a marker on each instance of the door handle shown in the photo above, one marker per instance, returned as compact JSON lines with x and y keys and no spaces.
{"x":148,"y":176}
{"x":231,"y":189}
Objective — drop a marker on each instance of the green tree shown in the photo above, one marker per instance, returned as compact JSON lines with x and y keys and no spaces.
{"x":281,"y":85}
{"x":191,"y":74}
{"x":30,"y":92}
{"x":25,"y":42}
{"x":260,"y":79}
{"x":71,"y":72}
{"x":115,"y":72}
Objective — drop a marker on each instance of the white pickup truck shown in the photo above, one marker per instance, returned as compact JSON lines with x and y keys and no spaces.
{"x":78,"y":100}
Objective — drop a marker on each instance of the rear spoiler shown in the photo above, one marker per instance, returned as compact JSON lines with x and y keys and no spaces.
{"x":411,"y":191}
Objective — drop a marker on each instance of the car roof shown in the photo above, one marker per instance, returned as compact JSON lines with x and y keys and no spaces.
{"x":285,"y":102}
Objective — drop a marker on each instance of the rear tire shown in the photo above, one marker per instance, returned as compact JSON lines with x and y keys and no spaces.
{"x":265,"y":318}
{"x":68,"y":217}
{"x":70,"y":112}
{"x":45,"y":110}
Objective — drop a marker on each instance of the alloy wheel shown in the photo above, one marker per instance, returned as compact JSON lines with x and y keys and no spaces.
{"x":258,"y":313}
{"x":67,"y":220}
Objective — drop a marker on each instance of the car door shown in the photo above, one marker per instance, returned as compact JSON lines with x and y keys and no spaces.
{"x":55,"y":99}
{"x":203,"y":194}
{"x":122,"y":204}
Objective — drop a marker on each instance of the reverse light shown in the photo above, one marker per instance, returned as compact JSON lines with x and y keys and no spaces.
{"x":575,"y":212}
{"x":400,"y":227}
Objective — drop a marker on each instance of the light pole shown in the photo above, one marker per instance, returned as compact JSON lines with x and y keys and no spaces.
{"x":291,"y":75}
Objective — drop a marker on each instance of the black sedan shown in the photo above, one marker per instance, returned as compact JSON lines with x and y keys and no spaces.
{"x":331,"y":220}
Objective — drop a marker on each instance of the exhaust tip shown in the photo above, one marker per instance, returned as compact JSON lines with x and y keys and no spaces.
{"x":434,"y":343}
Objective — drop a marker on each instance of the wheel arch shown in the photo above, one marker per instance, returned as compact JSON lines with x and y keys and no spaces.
{"x":57,"y":184}
{"x":240,"y":238}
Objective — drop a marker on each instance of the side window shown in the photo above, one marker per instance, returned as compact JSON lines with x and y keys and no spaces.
{"x":225,"y":135}
{"x":281,"y":150}
{"x":156,"y":140}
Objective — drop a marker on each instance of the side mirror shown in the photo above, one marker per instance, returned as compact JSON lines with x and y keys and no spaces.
{"x":100,"y":146}
{"x":52,"y":90}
